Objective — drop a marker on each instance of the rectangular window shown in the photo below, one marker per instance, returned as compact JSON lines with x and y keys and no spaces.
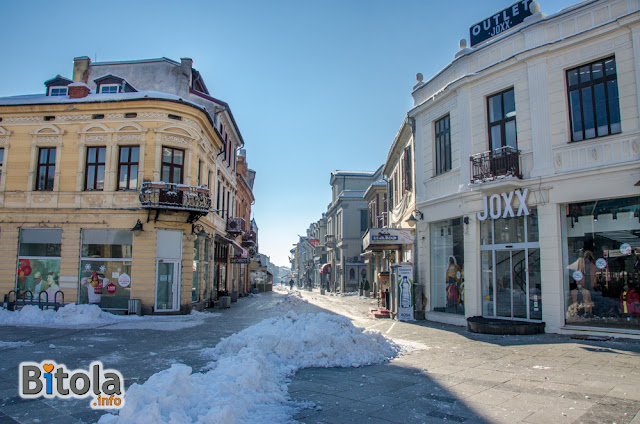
{"x":223,"y":209}
{"x":593,"y":100}
{"x":199,"y":172}
{"x":39,"y":262}
{"x":109,"y":88}
{"x":218,"y":199}
{"x":364,"y":220}
{"x":105,"y":267}
{"x":1,"y":161}
{"x":172,"y":164}
{"x":46,"y":168}
{"x":94,"y":175}
{"x":443,"y":145}
{"x":502,"y":120}
{"x":58,"y":91}
{"x":195,"y":282}
{"x":447,"y":266}
{"x":408,"y":171}
{"x":128,"y":167}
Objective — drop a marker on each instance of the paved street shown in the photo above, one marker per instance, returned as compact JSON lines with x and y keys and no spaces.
{"x":451,"y":376}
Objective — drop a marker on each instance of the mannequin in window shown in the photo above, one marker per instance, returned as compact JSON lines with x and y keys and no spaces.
{"x":452,"y":279}
{"x":581,"y":295}
{"x":629,"y":301}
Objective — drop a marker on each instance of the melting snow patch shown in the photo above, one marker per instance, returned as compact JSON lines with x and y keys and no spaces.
{"x":290,"y":301}
{"x":69,"y":315}
{"x":13,"y":344}
{"x":247,"y":381}
{"x":540,"y":367}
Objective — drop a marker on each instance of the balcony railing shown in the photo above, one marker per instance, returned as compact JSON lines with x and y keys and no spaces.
{"x":236,"y":225}
{"x":495,"y":164}
{"x":180,"y":197}
{"x":250,"y":239}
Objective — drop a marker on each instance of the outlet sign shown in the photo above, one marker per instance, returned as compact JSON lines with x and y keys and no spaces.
{"x":500,"y":22}
{"x":500,"y":205}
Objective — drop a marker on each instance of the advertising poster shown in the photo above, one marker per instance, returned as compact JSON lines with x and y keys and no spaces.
{"x":405,"y":293}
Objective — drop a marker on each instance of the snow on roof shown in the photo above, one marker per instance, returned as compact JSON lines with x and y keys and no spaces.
{"x":79,"y":84}
{"x":355,"y":173}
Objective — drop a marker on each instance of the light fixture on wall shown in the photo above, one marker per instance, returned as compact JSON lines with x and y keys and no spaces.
{"x":614,"y":215}
{"x":595,"y":217}
{"x":198,"y":230}
{"x":412,"y":220}
{"x":137,"y":229}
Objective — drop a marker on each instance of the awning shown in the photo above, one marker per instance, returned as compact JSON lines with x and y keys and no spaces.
{"x":326,"y":269}
{"x":377,"y":239}
{"x":240,"y":251}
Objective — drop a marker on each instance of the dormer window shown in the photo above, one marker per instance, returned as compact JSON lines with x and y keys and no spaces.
{"x":58,"y":91}
{"x":109,"y":88}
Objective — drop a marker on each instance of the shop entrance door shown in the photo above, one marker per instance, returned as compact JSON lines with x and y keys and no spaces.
{"x":511,"y":283}
{"x":167,"y":285}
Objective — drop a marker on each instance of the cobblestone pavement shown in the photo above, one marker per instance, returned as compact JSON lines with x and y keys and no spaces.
{"x":455,"y":376}
{"x":458,"y":376}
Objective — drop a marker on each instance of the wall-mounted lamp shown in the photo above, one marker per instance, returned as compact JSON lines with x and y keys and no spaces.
{"x":466,"y":220}
{"x":412,"y":220}
{"x":595,"y":217}
{"x":137,"y":229}
{"x":614,"y":215}
{"x":198,"y":230}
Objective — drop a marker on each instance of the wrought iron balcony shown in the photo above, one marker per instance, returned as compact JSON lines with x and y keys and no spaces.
{"x":495,"y":164}
{"x":250,"y":239}
{"x":235,"y":226}
{"x":179,"y":197}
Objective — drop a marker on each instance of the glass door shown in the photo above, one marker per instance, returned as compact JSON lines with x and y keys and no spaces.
{"x":511,"y":283}
{"x":167,"y":285}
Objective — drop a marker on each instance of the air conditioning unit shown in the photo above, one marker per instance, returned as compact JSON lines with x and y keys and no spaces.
{"x":235,"y":225}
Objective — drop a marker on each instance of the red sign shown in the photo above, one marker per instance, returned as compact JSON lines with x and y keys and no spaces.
{"x":111,"y":288}
{"x":314,"y":242}
{"x":97,"y":289}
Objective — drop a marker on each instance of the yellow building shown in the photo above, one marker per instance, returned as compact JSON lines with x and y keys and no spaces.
{"x":81,"y":170}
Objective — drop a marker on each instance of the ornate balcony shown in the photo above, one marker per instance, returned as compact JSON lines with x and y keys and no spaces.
{"x":495,"y":164}
{"x":250,"y":239}
{"x":160,"y":196}
{"x":236,"y":226}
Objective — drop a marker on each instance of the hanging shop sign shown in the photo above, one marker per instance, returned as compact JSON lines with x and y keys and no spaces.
{"x":500,"y":22}
{"x":405,"y":293}
{"x":499,"y":205}
{"x":381,"y":237}
{"x":240,"y":260}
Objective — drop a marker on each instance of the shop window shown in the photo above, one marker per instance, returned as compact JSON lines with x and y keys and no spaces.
{"x":128,"y":167}
{"x":105,"y":267}
{"x":602,"y":263}
{"x":39,"y":262}
{"x":172,"y":165}
{"x":364,"y":220}
{"x":94,"y":175}
{"x":46,"y":168}
{"x":593,"y":100}
{"x":443,"y":145}
{"x":502,"y":120}
{"x":447,"y":266}
{"x":206,"y":261}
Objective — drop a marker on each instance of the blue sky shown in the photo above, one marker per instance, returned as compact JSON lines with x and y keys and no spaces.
{"x":314,"y":86}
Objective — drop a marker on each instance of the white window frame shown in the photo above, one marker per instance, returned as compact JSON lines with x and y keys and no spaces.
{"x":59,"y":87}
{"x":103,"y":86}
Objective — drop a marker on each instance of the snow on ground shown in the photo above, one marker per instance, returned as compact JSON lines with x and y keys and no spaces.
{"x":73,"y":315}
{"x":13,"y":344}
{"x":291,"y":300}
{"x":248,"y":380}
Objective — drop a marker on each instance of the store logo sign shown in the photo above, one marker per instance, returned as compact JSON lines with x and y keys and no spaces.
{"x":500,"y":22}
{"x":493,"y":206}
{"x":50,"y":380}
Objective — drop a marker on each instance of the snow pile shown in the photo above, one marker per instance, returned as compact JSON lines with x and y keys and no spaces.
{"x":70,"y":314}
{"x":247,"y":383}
{"x":290,"y":301}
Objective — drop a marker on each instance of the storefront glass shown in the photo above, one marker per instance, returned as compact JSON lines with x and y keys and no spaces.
{"x":447,"y":266}
{"x":195,"y":282}
{"x":39,"y":262}
{"x":510,"y":264}
{"x":602,"y":263}
{"x":105,"y":268}
{"x":206,"y":261}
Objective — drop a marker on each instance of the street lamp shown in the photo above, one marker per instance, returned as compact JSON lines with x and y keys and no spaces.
{"x":137,"y":229}
{"x":412,"y":220}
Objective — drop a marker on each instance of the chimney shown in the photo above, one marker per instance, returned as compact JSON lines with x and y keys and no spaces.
{"x":78,"y":90}
{"x":81,"y":69}
{"x":186,"y":64}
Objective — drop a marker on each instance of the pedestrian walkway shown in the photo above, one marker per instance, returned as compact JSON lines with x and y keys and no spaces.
{"x":458,"y":376}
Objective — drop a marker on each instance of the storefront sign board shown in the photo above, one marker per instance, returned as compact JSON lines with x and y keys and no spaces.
{"x":500,"y":22}
{"x":499,"y":206}
{"x":405,"y":292}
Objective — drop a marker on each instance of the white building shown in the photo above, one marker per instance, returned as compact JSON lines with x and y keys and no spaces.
{"x":527,"y":169}
{"x":347,"y":221}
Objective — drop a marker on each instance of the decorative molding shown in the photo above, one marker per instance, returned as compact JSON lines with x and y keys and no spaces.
{"x":114,"y":115}
{"x":24,"y":119}
{"x":174,"y":139}
{"x":152,"y":115}
{"x":74,"y":117}
{"x":52,"y":139}
{"x":102,"y":138}
{"x":129,"y":137}
{"x":4,"y":140}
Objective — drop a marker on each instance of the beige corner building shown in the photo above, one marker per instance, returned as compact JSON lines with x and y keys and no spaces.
{"x":111,"y":188}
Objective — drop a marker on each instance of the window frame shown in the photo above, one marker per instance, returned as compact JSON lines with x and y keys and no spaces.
{"x":103,"y":86}
{"x":172,"y":165}
{"x":97,"y":165}
{"x":47,"y":165}
{"x":59,"y":87}
{"x":442,"y":137}
{"x":128,"y":164}
{"x":591,"y":84}
{"x":503,"y":120}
